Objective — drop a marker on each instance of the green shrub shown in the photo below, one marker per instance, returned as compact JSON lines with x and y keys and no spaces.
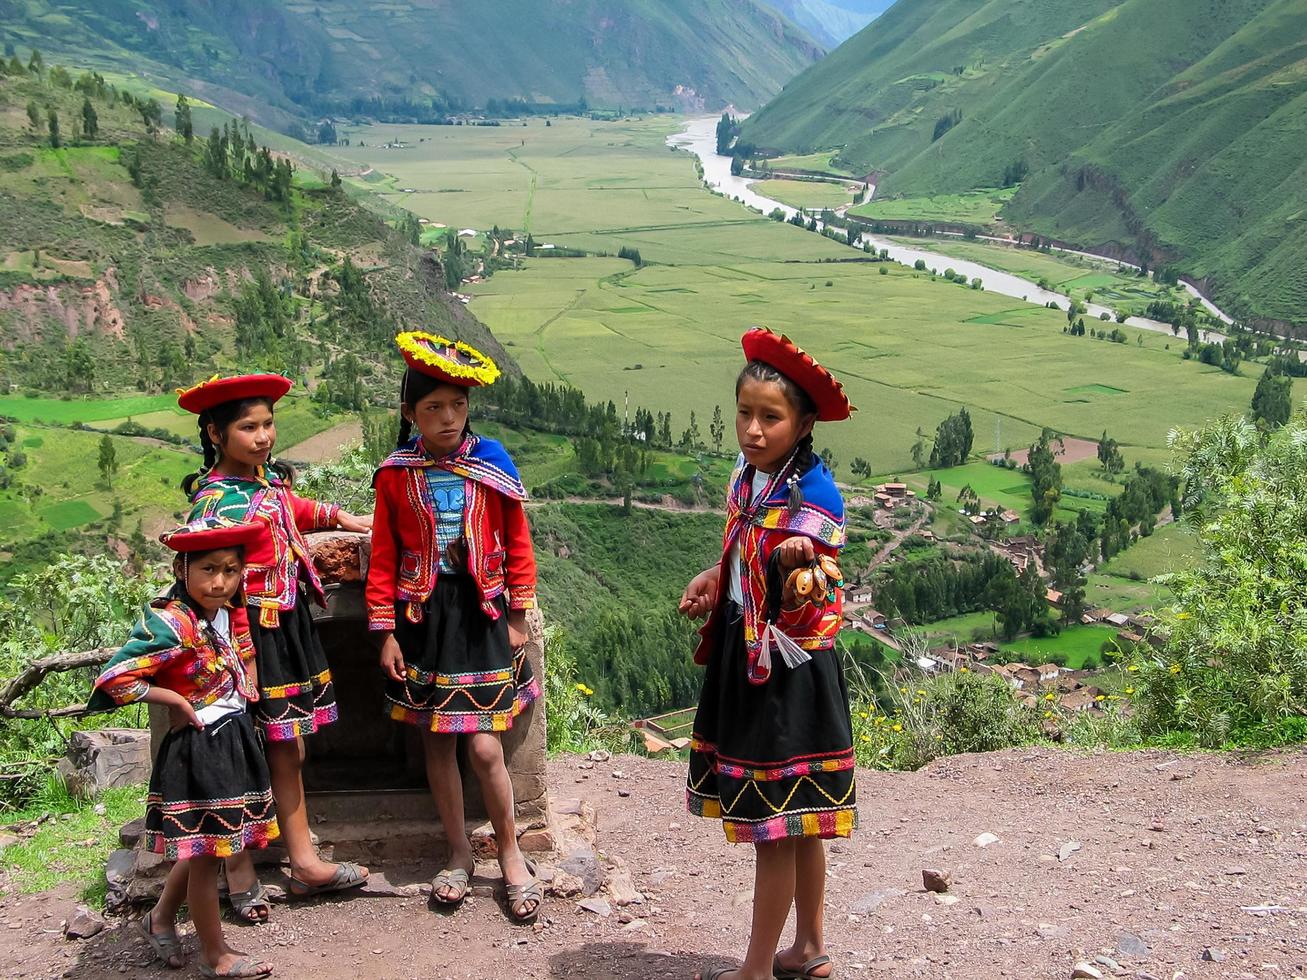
{"x":1234,"y":665}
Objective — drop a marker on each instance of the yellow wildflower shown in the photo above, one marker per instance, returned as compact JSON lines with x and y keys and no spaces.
{"x":1048,"y":714}
{"x":1133,"y":668}
{"x":898,"y":727}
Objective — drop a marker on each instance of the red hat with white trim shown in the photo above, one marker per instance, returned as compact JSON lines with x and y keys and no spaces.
{"x":210,"y":534}
{"x":207,"y":394}
{"x":777,"y":350}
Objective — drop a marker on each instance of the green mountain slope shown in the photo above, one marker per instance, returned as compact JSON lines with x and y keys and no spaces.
{"x":1163,"y":127}
{"x":337,"y":55}
{"x":128,"y":264}
{"x":828,"y":22}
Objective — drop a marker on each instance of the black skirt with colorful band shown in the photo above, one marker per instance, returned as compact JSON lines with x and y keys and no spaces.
{"x":296,"y":695}
{"x":461,"y":674}
{"x":772,"y":760}
{"x":209,"y":792}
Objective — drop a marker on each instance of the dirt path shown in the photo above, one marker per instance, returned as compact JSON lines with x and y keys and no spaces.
{"x":1177,"y":855}
{"x":325,"y":447}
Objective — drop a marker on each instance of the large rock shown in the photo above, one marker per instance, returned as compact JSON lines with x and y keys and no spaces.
{"x":105,"y":759}
{"x":340,"y":556}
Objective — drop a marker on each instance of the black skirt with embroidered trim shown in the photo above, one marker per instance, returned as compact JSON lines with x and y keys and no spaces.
{"x":209,"y":792}
{"x":772,"y":760}
{"x":461,"y":673}
{"x":296,"y":696}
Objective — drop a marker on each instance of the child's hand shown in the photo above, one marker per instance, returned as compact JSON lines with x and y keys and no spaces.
{"x":796,"y":551}
{"x":392,"y":658}
{"x":181,"y":713}
{"x":697,"y":599}
{"x":517,"y":631}
{"x":348,"y":522}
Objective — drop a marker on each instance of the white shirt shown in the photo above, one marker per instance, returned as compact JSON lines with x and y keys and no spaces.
{"x":736,"y":582}
{"x":233,"y":703}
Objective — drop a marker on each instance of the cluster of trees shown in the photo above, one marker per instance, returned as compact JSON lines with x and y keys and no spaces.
{"x":630,"y":254}
{"x":267,"y":335}
{"x":1272,"y":402}
{"x":953,"y":440}
{"x":1225,"y":355}
{"x":1146,"y":493}
{"x":231,"y":153}
{"x":946,"y":122}
{"x":937,"y":588}
{"x":1045,"y":478}
{"x":1068,"y":546}
{"x":1015,"y":172}
{"x":728,"y":128}
{"x":1109,"y":455}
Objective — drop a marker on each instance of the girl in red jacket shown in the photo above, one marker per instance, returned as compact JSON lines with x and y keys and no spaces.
{"x":451,"y":577}
{"x":771,"y":754}
{"x":210,"y":796}
{"x":241,"y":480}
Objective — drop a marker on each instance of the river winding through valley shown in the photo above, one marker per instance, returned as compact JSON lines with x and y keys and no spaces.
{"x":700,"y":138}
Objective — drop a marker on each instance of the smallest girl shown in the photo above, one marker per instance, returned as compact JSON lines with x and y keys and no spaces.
{"x":451,"y":577}
{"x":210,"y":795}
{"x":771,"y":752}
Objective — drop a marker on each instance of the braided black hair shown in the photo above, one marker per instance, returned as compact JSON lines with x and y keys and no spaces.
{"x":221,"y":417}
{"x":804,"y":457}
{"x":415,"y":387}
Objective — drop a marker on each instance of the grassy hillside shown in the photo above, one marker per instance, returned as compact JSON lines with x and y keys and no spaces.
{"x":337,"y":55}
{"x":129,"y":267}
{"x":1165,"y":128}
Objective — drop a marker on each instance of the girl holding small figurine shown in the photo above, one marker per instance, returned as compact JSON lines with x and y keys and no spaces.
{"x":771,"y":752}
{"x":451,"y":577}
{"x":210,"y":795}
{"x":241,"y":480}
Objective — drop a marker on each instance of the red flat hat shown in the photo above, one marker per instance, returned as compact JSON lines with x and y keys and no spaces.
{"x":452,"y":361}
{"x":205,"y":395}
{"x":760,"y":344}
{"x":210,"y":534}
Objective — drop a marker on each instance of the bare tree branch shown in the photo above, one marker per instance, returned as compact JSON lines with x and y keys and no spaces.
{"x":32,"y":675}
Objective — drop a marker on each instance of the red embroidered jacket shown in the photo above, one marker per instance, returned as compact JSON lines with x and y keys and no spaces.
{"x":172,"y":646}
{"x":403,"y":566}
{"x":274,"y":564}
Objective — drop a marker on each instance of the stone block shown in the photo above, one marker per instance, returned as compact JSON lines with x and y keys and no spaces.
{"x":106,"y":758}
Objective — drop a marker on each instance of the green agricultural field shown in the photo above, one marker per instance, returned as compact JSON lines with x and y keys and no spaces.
{"x":59,"y":488}
{"x":1168,"y":549}
{"x":910,"y":349}
{"x":807,"y":193}
{"x":58,"y":411}
{"x":997,"y":487}
{"x":1074,"y":275}
{"x":957,"y":630}
{"x":972,"y":208}
{"x":1076,"y":643}
{"x":823,"y":162}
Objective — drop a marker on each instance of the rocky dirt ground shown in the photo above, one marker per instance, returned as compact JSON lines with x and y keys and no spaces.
{"x":1136,"y":865}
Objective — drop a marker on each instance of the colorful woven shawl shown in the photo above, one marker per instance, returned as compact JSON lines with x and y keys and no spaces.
{"x":821,"y":517}
{"x":478,"y":458}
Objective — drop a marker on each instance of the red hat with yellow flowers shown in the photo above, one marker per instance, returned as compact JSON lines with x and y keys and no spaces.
{"x":452,"y":361}
{"x":205,"y":395}
{"x":777,"y":350}
{"x":210,"y":534}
